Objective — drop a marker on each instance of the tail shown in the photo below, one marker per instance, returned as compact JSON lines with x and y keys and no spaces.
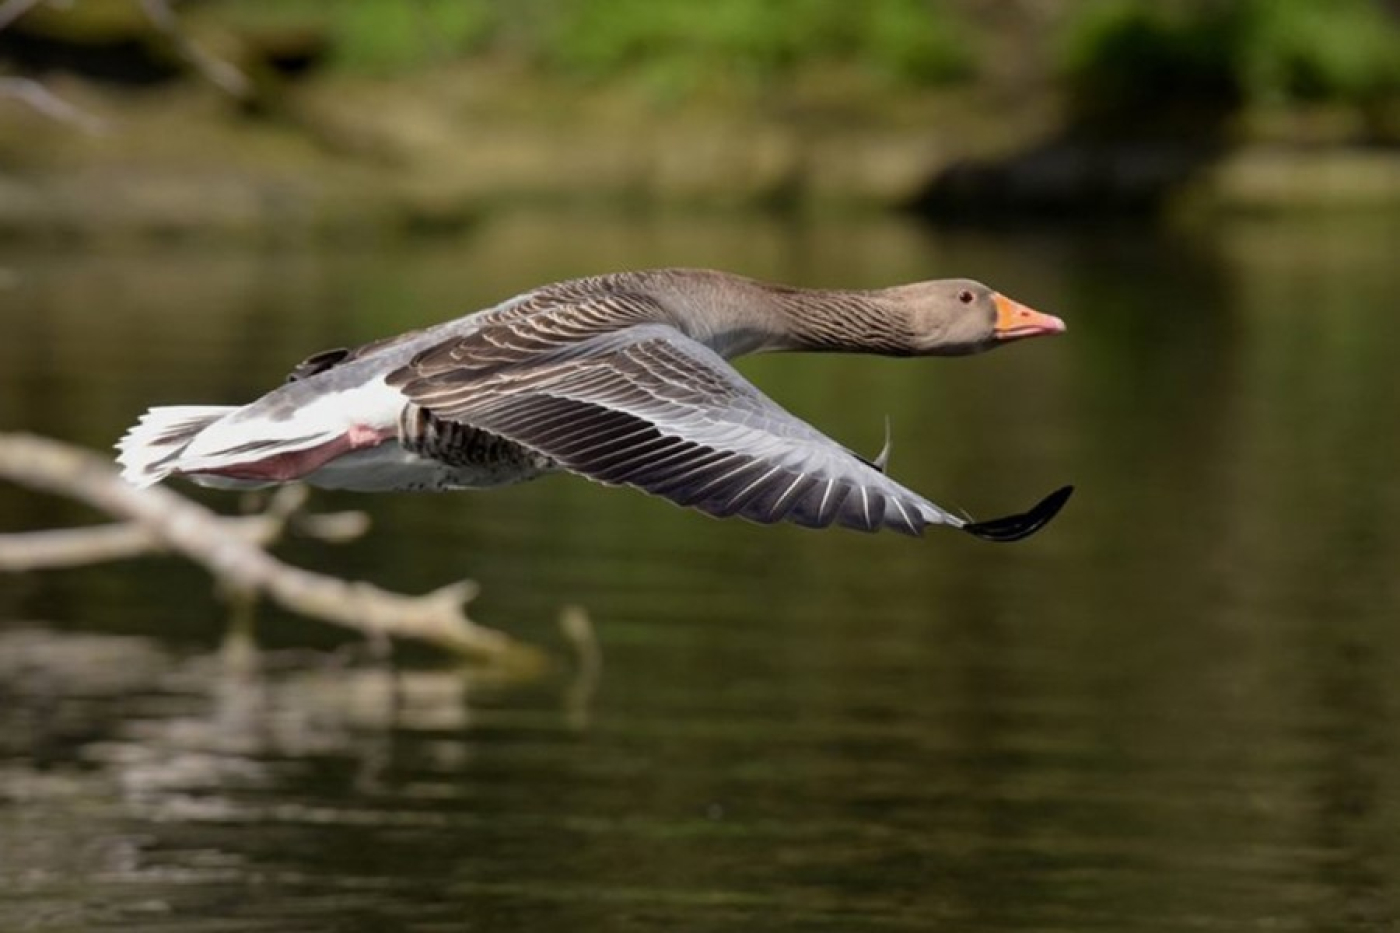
{"x":152,"y":448}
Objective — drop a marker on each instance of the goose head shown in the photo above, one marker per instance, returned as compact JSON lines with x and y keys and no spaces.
{"x":955,"y":317}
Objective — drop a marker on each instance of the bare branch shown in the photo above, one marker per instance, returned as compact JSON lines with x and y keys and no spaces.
{"x":37,"y":96}
{"x":12,"y":10}
{"x":194,"y":531}
{"x":76,"y":547}
{"x":215,"y":70}
{"x":46,"y":102}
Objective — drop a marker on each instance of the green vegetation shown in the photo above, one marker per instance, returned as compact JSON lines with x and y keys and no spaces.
{"x":673,"y":43}
{"x":1124,"y":60}
{"x":379,"y":37}
{"x":1345,"y":50}
{"x":1120,"y":59}
{"x":677,"y":41}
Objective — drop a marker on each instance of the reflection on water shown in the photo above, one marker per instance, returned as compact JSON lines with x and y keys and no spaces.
{"x":1175,"y":708}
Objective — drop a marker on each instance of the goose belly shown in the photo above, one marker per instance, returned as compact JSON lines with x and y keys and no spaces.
{"x":388,"y":467}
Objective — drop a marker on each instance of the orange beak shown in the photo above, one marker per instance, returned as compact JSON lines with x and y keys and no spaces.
{"x":1015,"y":320}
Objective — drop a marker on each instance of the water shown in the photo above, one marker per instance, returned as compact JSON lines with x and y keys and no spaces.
{"x":1175,"y":708}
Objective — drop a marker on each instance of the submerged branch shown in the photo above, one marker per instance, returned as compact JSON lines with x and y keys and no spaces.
{"x":239,"y":563}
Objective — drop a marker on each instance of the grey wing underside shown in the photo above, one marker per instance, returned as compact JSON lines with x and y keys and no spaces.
{"x":646,"y":406}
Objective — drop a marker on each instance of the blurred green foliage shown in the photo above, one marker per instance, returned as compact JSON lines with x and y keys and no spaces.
{"x":375,"y":36}
{"x":1120,"y":60}
{"x":1125,"y":58}
{"x":1310,"y":50}
{"x":677,"y":43}
{"x":911,"y":42}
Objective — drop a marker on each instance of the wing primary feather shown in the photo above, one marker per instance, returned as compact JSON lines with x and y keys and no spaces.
{"x":873,"y":507}
{"x":587,"y":452}
{"x":564,"y":434}
{"x":632,"y":472}
{"x":772,"y":502}
{"x":687,"y":488}
{"x":908,"y":525}
{"x":822,"y":519}
{"x":529,"y":417}
{"x":644,"y":455}
{"x":678,"y":475}
{"x":833,"y":501}
{"x":715,"y":497}
{"x":600,"y":444}
{"x":741,"y":498}
{"x":683,"y":457}
{"x":791,"y":497}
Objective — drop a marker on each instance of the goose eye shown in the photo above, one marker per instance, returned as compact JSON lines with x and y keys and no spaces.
{"x":965,"y":297}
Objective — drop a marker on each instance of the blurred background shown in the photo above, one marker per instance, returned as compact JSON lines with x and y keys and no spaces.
{"x":1175,"y":708}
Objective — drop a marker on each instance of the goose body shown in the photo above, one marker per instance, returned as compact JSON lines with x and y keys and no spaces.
{"x":621,"y":378}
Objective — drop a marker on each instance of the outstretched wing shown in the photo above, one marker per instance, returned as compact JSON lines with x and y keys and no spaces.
{"x":648,"y":407}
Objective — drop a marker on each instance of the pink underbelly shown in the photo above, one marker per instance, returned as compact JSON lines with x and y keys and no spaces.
{"x":295,"y":464}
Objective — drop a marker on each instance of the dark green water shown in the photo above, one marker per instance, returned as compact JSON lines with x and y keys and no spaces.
{"x":1177,"y":708}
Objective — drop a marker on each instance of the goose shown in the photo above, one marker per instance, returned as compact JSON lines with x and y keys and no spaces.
{"x":621,"y":378}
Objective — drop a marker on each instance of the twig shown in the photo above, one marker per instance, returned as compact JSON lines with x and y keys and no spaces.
{"x":577,"y":628}
{"x":215,"y":70}
{"x":46,"y":102}
{"x":39,"y":98}
{"x":74,"y":547}
{"x":194,"y":531}
{"x":12,"y":10}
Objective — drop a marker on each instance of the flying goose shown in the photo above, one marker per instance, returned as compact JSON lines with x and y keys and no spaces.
{"x":621,"y":378}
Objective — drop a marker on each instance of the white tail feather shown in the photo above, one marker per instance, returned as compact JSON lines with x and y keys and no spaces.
{"x":150,"y":450}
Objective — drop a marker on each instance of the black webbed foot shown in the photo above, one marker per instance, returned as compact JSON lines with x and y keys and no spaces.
{"x":1023,"y":525}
